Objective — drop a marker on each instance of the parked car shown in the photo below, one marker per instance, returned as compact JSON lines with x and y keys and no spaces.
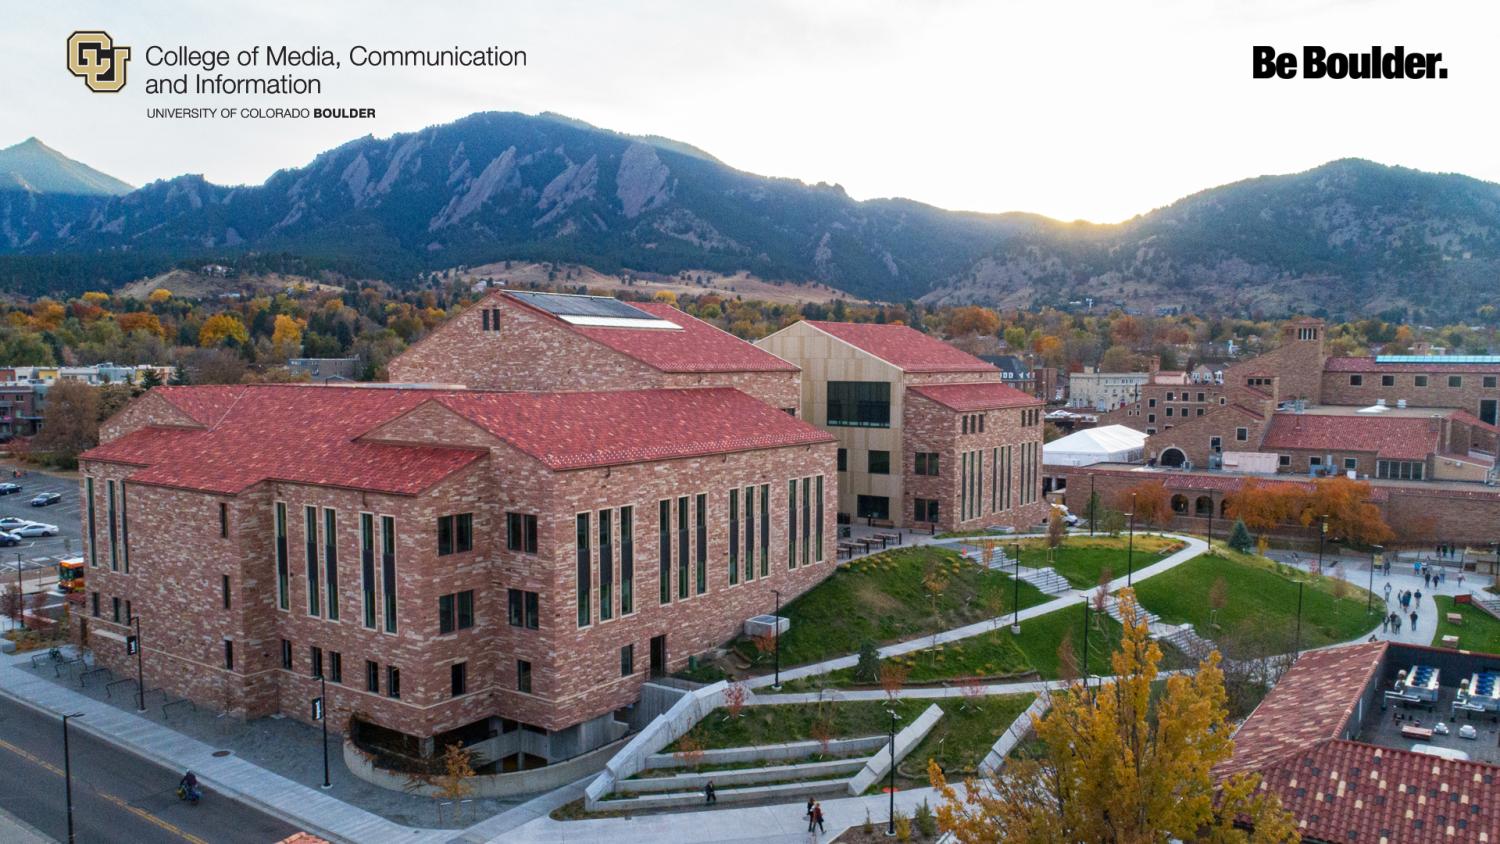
{"x":8,"y":539}
{"x":7,"y":488}
{"x":45,"y":499}
{"x":10,"y":523}
{"x":36,"y":529}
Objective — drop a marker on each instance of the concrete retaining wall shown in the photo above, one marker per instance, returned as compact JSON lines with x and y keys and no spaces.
{"x":486,"y":785}
{"x":744,"y":776}
{"x":770,"y":752}
{"x":880,"y":764}
{"x":667,"y":728}
{"x":785,"y":792}
{"x":1012,"y":736}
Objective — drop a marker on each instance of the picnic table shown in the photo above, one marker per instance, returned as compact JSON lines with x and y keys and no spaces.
{"x":889,"y":537}
{"x":848,"y":548}
{"x":1455,"y":618}
{"x":1450,"y":641}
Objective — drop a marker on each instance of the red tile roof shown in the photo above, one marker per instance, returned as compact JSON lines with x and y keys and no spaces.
{"x":1390,"y":437}
{"x":580,"y":430}
{"x":698,"y":347}
{"x":1314,"y":700}
{"x":1468,"y":418}
{"x":965,"y":398}
{"x":311,"y":434}
{"x":1369,"y":364}
{"x":904,"y":347}
{"x":206,"y":404}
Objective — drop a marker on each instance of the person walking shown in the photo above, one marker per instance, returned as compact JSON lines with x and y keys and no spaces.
{"x":1396,"y":625}
{"x":1417,"y":599}
{"x":1388,"y":593}
{"x":1414,"y":621}
{"x":1385,"y":623}
{"x":1460,"y":580}
{"x":709,"y":797}
{"x":812,"y":820}
{"x":818,"y":816}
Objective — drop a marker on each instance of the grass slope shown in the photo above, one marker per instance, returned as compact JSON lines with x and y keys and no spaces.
{"x":1082,"y":559}
{"x":1480,"y":631}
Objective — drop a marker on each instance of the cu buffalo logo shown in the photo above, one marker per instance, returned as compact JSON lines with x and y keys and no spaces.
{"x":93,"y":56}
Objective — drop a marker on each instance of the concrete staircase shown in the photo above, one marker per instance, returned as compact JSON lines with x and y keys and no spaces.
{"x":1113,"y":608}
{"x":1046,"y":579}
{"x":1184,"y":638}
{"x":1487,"y":602}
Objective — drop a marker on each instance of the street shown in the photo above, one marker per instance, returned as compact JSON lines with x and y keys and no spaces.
{"x":116,"y":796}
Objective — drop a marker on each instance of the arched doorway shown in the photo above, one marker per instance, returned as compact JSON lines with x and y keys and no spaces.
{"x":1204,"y":506}
{"x":1172,"y":457}
{"x":1179,"y":504}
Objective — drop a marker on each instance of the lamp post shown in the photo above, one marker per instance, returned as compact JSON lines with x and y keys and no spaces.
{"x":1297,"y":649}
{"x":777,"y":684}
{"x":1210,"y":522}
{"x":1130,"y":550}
{"x":1375,"y":552}
{"x":320,"y":712}
{"x":20,"y":593}
{"x":1084,"y":666}
{"x":890,"y":828}
{"x":68,"y":773}
{"x":1093,"y":505}
{"x":1015,"y":601}
{"x":1322,"y":535}
{"x":140,"y":672}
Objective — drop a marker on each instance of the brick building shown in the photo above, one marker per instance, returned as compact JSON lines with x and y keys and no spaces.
{"x":503,"y":569}
{"x":517,"y":340}
{"x":928,"y":435}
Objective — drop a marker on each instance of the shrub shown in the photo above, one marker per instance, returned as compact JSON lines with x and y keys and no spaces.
{"x":867,"y":670}
{"x":1240,"y":538}
{"x":926,"y":822}
{"x":903,"y":827}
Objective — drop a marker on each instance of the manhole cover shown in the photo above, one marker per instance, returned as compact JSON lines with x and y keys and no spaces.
{"x":222,"y":752}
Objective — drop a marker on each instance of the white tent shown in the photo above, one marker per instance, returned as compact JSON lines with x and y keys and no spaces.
{"x":1107,"y":444}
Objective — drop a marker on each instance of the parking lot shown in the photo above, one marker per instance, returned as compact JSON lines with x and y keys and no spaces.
{"x":41,"y":552}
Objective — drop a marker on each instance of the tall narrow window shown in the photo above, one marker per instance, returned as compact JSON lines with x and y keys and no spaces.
{"x":523,"y":676}
{"x":331,"y":560}
{"x":310,"y":528}
{"x":226,"y":591}
{"x":367,"y":565}
{"x":664,"y":543}
{"x":392,"y":681}
{"x":701,"y":518}
{"x":606,"y":567}
{"x":734,"y":536}
{"x":282,"y":575}
{"x":114,"y":536}
{"x":125,"y":527}
{"x":749,"y":533}
{"x":682,"y":547}
{"x":584,"y":586}
{"x":791,"y":523}
{"x":223,"y":519}
{"x":228,"y":654}
{"x":627,"y":560}
{"x":806,"y":515}
{"x":765,"y":530}
{"x":818,"y":519}
{"x":994,"y":477}
{"x":388,"y":571}
{"x":93,"y":537}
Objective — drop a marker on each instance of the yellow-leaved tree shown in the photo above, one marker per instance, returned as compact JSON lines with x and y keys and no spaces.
{"x":1119,"y":765}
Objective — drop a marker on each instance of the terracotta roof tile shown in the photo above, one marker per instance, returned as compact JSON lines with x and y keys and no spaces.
{"x":1390,"y":437}
{"x":1369,"y":364}
{"x":971,"y":397}
{"x":904,"y":347}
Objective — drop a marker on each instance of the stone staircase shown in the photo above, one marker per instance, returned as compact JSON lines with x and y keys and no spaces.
{"x":1113,"y":608}
{"x":1046,"y":579}
{"x":1488,"y":603}
{"x":1187,"y":640}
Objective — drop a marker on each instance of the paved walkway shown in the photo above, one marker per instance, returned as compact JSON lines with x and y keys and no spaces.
{"x":1194,"y":547}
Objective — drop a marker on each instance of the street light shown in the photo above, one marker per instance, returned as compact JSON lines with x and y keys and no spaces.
{"x":1298,"y":648}
{"x":320,"y":714}
{"x":1130,"y":552}
{"x":1210,"y":522}
{"x":777,"y":684}
{"x":20,"y":593}
{"x":1093,"y":505}
{"x":890,"y":829}
{"x":68,"y":773}
{"x":1375,"y":552}
{"x":1015,"y":601}
{"x":140,"y":672}
{"x":1322,"y":535}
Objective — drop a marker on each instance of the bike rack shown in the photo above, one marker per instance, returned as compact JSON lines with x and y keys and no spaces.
{"x":57,"y":666}
{"x":83,"y":677}
{"x":109,"y":688}
{"x":174,"y":703}
{"x":53,"y":655}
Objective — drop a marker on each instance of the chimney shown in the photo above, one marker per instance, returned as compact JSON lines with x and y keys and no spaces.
{"x":1153,"y":364}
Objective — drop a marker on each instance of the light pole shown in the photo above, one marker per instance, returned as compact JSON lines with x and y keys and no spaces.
{"x":1375,"y":552}
{"x":1015,"y":601}
{"x":1093,"y":505}
{"x":1298,"y":648}
{"x":890,"y":828}
{"x":777,"y":684}
{"x":1210,"y":522}
{"x":1130,"y":552}
{"x":1322,"y":535}
{"x":20,"y":593}
{"x":140,"y":672}
{"x":68,"y":773}
{"x":320,"y":708}
{"x":1085,"y":664}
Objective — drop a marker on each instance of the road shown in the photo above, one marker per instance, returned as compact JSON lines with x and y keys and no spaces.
{"x":116,"y":796}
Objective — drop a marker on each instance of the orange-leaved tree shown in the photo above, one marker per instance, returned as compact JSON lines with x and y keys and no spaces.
{"x":1351,"y":516}
{"x":1121,"y":764}
{"x":1153,"y":506}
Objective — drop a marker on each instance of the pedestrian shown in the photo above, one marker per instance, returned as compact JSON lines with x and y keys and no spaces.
{"x":1385,"y":624}
{"x":709,"y":797}
{"x":1413,"y":620}
{"x":812,"y":820}
{"x":1427,"y":578}
{"x":1417,"y":600}
{"x":1460,"y":580}
{"x":1387,"y":593}
{"x":818,"y":816}
{"x":1396,"y":625}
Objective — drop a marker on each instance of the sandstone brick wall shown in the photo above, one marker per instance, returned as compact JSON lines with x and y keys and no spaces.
{"x":1337,"y":389}
{"x":931,"y":427}
{"x":149,"y":409}
{"x":1195,"y":436}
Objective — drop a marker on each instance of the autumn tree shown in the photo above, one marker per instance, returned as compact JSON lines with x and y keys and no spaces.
{"x":735,"y":695}
{"x":70,"y":422}
{"x":1057,"y":529}
{"x":221,"y":328}
{"x":893,"y":678}
{"x":1351,"y":515}
{"x":972,"y":319}
{"x":458,"y":769}
{"x":1153,"y":506}
{"x":1121,"y":764}
{"x":1117,"y":359}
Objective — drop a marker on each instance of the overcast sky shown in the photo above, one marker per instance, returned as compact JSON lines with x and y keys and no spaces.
{"x":1094,"y":110}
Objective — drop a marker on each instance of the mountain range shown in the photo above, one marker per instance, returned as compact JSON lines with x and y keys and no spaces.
{"x":1350,"y":237}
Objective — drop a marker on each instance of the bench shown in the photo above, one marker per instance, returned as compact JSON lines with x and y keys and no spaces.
{"x":1412,"y":731}
{"x":880,"y":523}
{"x":1455,"y":618}
{"x":1450,"y":641}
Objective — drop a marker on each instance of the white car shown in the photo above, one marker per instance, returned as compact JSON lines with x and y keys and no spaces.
{"x":11,"y":523}
{"x":36,"y":529}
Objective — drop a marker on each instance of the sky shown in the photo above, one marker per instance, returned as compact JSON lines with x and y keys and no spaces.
{"x":1077,"y":110}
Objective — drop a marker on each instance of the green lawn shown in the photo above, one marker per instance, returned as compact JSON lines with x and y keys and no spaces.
{"x":1479,"y":632}
{"x":1259,"y":597}
{"x":759,"y":725}
{"x":1082,"y":559}
{"x":884,"y":598}
{"x":962,"y":737}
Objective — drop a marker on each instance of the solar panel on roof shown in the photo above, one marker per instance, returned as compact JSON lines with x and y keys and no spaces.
{"x":1437,"y":358}
{"x":564,"y":305}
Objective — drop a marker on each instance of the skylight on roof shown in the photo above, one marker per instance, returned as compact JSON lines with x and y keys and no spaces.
{"x":596,"y":311}
{"x":1437,"y":358}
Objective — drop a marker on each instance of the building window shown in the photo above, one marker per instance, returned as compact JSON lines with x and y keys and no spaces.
{"x":1151,"y":402}
{"x":926,"y":510}
{"x":584,"y":570}
{"x":965,"y":424}
{"x":981,"y":423}
{"x":115,"y":609}
{"x":388,"y":571}
{"x":843,"y":460}
{"x":859,"y":404}
{"x":281,"y":552}
{"x":315,"y":660}
{"x":331,"y":560}
{"x":223,"y":520}
{"x":286,"y":653}
{"x":765,"y":530}
{"x":1419,"y":380}
{"x":1489,"y":382}
{"x":700,"y":522}
{"x":627,"y":660}
{"x":1455,"y":380}
{"x":749,"y":522}
{"x":523,"y":676}
{"x":1314,"y":462}
{"x":806,"y":510}
{"x":520,"y":532}
{"x":682,"y":547}
{"x":664,"y":548}
{"x":458,"y":678}
{"x":114,"y":539}
{"x":372,"y":676}
{"x":627,"y":560}
{"x":1399,"y":470}
{"x":734,"y":537}
{"x":93,"y":550}
{"x":447,"y":622}
{"x":524,"y":609}
{"x":1241,"y":434}
{"x":1151,"y":417}
{"x":228,"y":655}
{"x":606,"y":566}
{"x":392,"y":681}
{"x":1169,"y":411}
{"x":1387,"y":380}
{"x":335,"y":667}
{"x":926,"y":463}
{"x":873,"y":507}
{"x":791,"y":523}
{"x":1351,"y":463}
{"x":310,"y":537}
{"x":1150,"y":431}
{"x":455,"y":534}
{"x":94,"y":602}
{"x":367,"y":565}
{"x":225,"y":588}
{"x":1200,"y":398}
{"x":1215,"y":444}
{"x":1356,"y":380}
{"x":1283,"y":460}
{"x":880,"y":462}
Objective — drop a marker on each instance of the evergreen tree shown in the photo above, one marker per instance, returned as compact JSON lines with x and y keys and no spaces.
{"x":1240,"y":538}
{"x":867,"y":670}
